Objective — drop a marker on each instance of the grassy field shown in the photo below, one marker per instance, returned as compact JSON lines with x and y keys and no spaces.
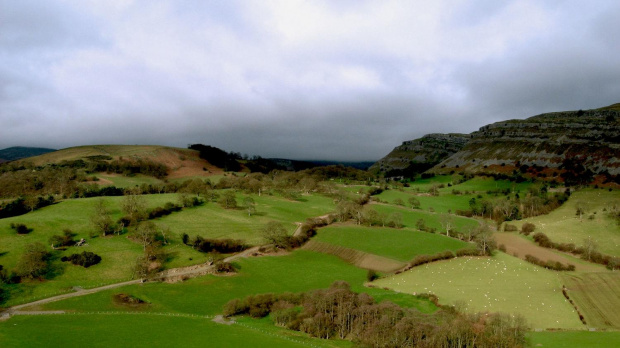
{"x":131,"y":330}
{"x":126,"y":181}
{"x":304,"y":270}
{"x":563,"y":225}
{"x":597,"y":298}
{"x":501,"y":283}
{"x":119,"y":253}
{"x":574,"y":339}
{"x":399,"y":244}
{"x":410,"y":217}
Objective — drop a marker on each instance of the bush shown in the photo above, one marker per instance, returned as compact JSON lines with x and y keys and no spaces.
{"x":510,"y":228}
{"x":225,"y":267}
{"x":20,"y":228}
{"x":85,"y":259}
{"x":528,"y":228}
{"x":371,"y":275}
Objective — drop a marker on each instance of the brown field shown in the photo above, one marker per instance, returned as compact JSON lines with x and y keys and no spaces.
{"x":356,"y":257}
{"x":596,"y":296}
{"x":515,"y":244}
{"x":182,"y":163}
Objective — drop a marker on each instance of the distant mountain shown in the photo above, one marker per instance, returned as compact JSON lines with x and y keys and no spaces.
{"x":575,"y":146}
{"x":419,"y":155}
{"x":19,"y":152}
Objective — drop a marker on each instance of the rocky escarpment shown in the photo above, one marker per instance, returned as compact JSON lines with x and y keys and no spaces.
{"x":581,"y":143}
{"x":416,"y":156}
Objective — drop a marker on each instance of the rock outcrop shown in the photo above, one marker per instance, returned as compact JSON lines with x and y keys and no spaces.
{"x":587,"y":142}
{"x":420,"y":154}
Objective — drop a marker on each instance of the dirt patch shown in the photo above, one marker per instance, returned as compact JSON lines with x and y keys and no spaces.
{"x":126,"y":300}
{"x":221,"y":320}
{"x":356,"y":257}
{"x":520,"y":246}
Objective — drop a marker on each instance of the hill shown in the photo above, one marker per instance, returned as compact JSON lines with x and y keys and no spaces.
{"x":19,"y":152}
{"x":416,"y":156}
{"x":578,"y":146}
{"x":180,"y":162}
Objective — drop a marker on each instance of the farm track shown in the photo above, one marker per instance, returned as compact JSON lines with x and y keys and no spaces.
{"x":356,"y":257}
{"x":597,"y":297}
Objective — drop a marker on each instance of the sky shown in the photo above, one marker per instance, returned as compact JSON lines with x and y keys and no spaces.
{"x":343,"y":80}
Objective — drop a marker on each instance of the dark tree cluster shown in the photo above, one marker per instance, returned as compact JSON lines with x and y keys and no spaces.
{"x":223,"y":246}
{"x":338,"y":312}
{"x":85,"y":259}
{"x":218,"y":157}
{"x":23,"y":205}
{"x":552,"y":265}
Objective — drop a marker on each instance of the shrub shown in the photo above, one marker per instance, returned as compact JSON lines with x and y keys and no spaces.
{"x":510,"y":228}
{"x":20,"y":228}
{"x":528,"y":228}
{"x":371,"y":275}
{"x":225,"y":267}
{"x":85,"y":259}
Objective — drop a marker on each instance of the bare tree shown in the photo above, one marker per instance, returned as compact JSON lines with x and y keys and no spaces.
{"x":581,"y":208}
{"x":446,"y":221}
{"x":590,"y":246}
{"x":101,"y":219}
{"x":249,"y":205}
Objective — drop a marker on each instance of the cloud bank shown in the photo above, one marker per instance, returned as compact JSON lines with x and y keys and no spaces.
{"x":343,"y":80}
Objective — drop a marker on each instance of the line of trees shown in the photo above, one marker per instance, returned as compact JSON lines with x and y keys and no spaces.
{"x":588,"y":251}
{"x":338,"y":312}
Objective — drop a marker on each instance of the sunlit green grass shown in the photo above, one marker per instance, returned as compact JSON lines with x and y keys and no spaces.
{"x":501,"y":283}
{"x":564,"y":226}
{"x":574,"y":339}
{"x":399,"y":244}
{"x":300,"y":271}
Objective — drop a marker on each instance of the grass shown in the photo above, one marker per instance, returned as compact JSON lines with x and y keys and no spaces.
{"x":501,"y":283}
{"x":564,"y":226}
{"x":300,"y":271}
{"x":399,"y":244}
{"x":128,"y":181}
{"x":596,"y":297}
{"x":574,"y":339}
{"x":119,"y":253}
{"x":212,"y":221}
{"x":411,"y":217}
{"x":113,"y":330}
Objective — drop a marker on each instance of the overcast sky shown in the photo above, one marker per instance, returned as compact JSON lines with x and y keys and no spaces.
{"x":339,"y":80}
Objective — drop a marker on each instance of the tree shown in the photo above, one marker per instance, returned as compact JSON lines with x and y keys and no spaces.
{"x":275,"y":233}
{"x":581,"y":208}
{"x":434,"y":189}
{"x":414,"y":203}
{"x":228,"y":200}
{"x":101,"y":219}
{"x":66,"y":239}
{"x":249,"y":205}
{"x":35,"y":262}
{"x":589,"y":247}
{"x":134,"y":206}
{"x":146,"y":234}
{"x":446,"y":221}
{"x":484,"y":240}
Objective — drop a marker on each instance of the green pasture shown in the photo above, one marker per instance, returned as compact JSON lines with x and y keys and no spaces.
{"x":131,"y":330}
{"x":119,"y":253}
{"x":411,"y":216}
{"x":564,"y":226}
{"x":398,"y":244}
{"x":574,"y":339}
{"x":484,"y":184}
{"x":297,"y":272}
{"x":128,"y":181}
{"x":213,"y":221}
{"x":497,"y":284}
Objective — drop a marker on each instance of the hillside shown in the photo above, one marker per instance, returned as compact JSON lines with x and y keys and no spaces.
{"x":575,"y":145}
{"x":416,"y":156}
{"x":19,"y":152}
{"x":180,"y":162}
